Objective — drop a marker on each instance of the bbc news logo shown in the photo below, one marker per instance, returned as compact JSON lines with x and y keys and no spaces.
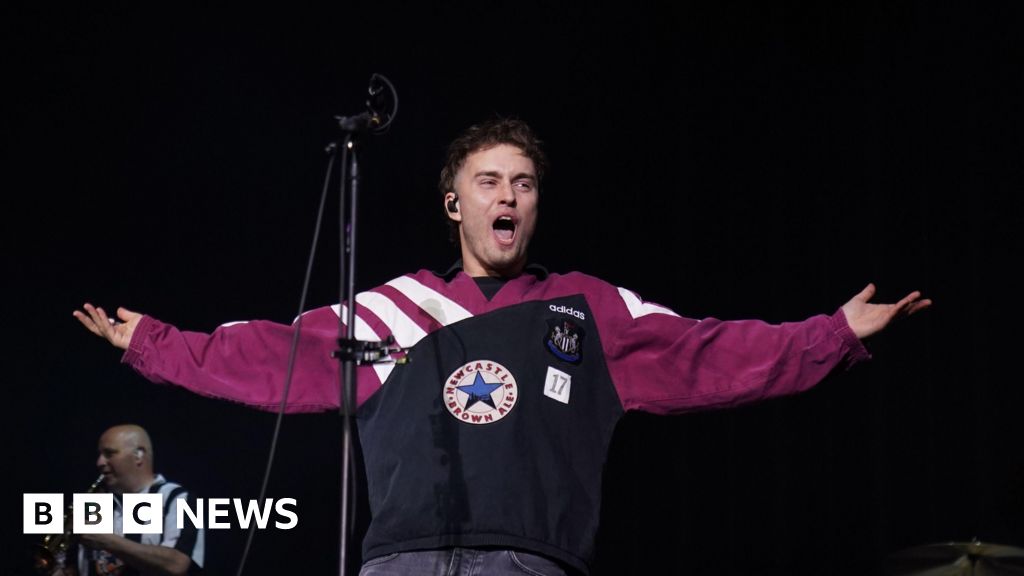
{"x":143,"y":513}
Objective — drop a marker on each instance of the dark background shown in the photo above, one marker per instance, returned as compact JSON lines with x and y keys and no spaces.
{"x":734,"y":160}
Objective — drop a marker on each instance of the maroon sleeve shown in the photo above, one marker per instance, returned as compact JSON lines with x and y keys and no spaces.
{"x":663,"y":363}
{"x":247,"y":362}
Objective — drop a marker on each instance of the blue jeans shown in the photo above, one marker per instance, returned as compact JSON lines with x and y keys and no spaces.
{"x":461,"y":562}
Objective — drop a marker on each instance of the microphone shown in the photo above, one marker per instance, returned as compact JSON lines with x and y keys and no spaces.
{"x":381,"y":108}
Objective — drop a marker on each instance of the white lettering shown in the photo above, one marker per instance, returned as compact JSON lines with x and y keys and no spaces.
{"x":93,"y":513}
{"x":568,"y":310}
{"x":282,"y":511}
{"x":215,"y":513}
{"x":253,"y":510}
{"x":195,"y":517}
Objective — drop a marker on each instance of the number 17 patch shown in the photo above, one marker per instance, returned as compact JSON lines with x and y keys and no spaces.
{"x":557,"y":385}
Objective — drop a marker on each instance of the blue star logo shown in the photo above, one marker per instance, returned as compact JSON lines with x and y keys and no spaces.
{"x":479,"y":391}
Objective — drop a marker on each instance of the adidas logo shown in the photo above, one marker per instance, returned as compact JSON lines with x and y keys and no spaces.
{"x":568,"y":310}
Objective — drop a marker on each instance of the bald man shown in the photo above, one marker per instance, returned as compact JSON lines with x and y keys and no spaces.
{"x":126,"y":462}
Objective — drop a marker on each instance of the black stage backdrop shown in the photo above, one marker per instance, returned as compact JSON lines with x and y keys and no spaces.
{"x":735,"y":160}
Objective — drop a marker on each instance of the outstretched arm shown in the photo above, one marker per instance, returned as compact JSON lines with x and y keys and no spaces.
{"x":117,"y":333}
{"x":663,"y":363}
{"x":246,"y":362}
{"x":866,"y":319}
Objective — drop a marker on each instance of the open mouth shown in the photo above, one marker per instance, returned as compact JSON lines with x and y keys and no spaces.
{"x":504,"y":229}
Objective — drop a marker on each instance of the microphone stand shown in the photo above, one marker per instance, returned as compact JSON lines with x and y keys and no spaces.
{"x":353,"y":352}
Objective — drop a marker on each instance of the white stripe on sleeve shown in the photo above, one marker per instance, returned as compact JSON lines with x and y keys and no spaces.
{"x":638,"y":308}
{"x":440,"y":308}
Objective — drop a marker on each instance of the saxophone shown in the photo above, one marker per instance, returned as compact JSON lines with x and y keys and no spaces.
{"x":54,"y":546}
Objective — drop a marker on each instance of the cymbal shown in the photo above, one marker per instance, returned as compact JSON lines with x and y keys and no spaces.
{"x":957,"y":559}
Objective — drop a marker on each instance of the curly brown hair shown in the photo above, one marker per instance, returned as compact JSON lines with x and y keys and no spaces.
{"x":483,"y":136}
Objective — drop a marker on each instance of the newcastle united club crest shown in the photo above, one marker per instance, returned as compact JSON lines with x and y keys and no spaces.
{"x":565,"y":340}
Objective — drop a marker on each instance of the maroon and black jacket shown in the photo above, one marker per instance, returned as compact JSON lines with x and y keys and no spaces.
{"x":496,"y":429}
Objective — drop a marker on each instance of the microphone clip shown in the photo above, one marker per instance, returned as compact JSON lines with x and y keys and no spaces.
{"x":364,"y":352}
